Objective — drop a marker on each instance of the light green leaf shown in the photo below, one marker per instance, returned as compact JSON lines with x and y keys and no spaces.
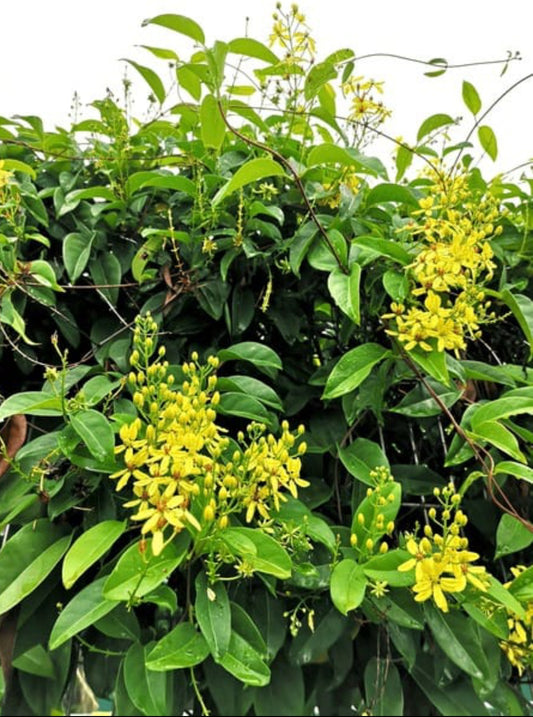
{"x":83,"y":610}
{"x":344,"y":288}
{"x":267,"y":556}
{"x":433,"y":363}
{"x":487,"y":140}
{"x":518,"y":470}
{"x":391,"y":193}
{"x":352,"y":369}
{"x":178,"y":23}
{"x":522,"y":308}
{"x":28,"y":558}
{"x":499,"y":436}
{"x":348,"y":585}
{"x":95,"y":431}
{"x":212,"y":126}
{"x":174,"y":182}
{"x":471,"y":97}
{"x":43,"y":273}
{"x":430,"y":124}
{"x":89,"y":548}
{"x":361,"y":457}
{"x":10,"y":316}
{"x":252,"y":48}
{"x":137,"y":574}
{"x":151,"y":78}
{"x":251,"y":171}
{"x":511,"y":536}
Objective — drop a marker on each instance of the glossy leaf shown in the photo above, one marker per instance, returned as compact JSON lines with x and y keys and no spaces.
{"x":213,"y":614}
{"x":89,"y":548}
{"x":76,"y":253}
{"x":511,"y":536}
{"x":137,"y":574}
{"x":32,"y":403}
{"x":361,"y":457}
{"x":28,"y":558}
{"x":348,"y":585}
{"x":85,"y":608}
{"x":95,"y":431}
{"x":182,"y":647}
{"x":352,"y":369}
{"x":252,"y":171}
{"x":147,"y":690}
{"x":344,"y":288}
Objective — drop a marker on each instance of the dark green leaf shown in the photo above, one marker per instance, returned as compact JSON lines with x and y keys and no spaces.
{"x":213,"y":614}
{"x":184,"y":646}
{"x":352,"y":369}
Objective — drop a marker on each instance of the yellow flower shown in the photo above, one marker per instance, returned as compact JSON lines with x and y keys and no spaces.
{"x":5,"y":176}
{"x":433,"y":583}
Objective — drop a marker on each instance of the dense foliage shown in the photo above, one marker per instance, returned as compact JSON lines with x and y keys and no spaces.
{"x":278,"y":399}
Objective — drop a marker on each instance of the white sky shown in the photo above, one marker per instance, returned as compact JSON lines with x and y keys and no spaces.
{"x":51,"y":48}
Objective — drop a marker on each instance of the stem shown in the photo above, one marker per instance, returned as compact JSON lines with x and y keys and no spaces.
{"x":198,"y":694}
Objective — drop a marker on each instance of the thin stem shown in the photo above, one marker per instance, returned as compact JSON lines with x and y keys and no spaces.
{"x":198,"y":694}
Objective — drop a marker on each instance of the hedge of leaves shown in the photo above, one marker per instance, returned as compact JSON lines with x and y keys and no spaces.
{"x":267,"y":399}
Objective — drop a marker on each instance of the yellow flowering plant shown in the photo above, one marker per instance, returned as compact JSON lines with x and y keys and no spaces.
{"x":179,"y":295}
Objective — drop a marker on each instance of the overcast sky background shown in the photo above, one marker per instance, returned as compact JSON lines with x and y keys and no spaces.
{"x":50,"y":49}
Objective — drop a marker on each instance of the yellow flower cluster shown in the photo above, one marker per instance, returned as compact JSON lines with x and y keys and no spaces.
{"x":441,"y":561}
{"x":447,"y":304}
{"x":291,"y":34}
{"x":183,"y":472}
{"x":364,"y":105}
{"x":4,"y":174}
{"x":518,"y":648}
{"x":348,"y":181}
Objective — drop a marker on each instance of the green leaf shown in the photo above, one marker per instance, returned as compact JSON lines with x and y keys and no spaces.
{"x":251,"y":387}
{"x":392,"y":493}
{"x":310,"y":646}
{"x":95,"y":431}
{"x":385,"y":567}
{"x":521,"y":587}
{"x":15,"y":165}
{"x":511,"y":536}
{"x":28,"y":558}
{"x":10,"y":316}
{"x":501,"y":408}
{"x":237,"y":404}
{"x":212,"y":126}
{"x":35,"y":661}
{"x":252,"y":48}
{"x":361,"y":457}
{"x":244,"y":662}
{"x":154,"y":179}
{"x":317,"y":77}
{"x":251,"y":171}
{"x":213,"y":614}
{"x":147,"y":690}
{"x":430,"y":124}
{"x":352,"y":369}
{"x":120,"y":624}
{"x":487,"y":140}
{"x":518,"y":470}
{"x":184,"y":646}
{"x":438,"y":62}
{"x":43,"y":273}
{"x":32,"y":403}
{"x":384,"y":247}
{"x":391,"y":193}
{"x":151,"y":78}
{"x":85,"y":608}
{"x":433,"y":363}
{"x":76,"y":253}
{"x":89,"y":548}
{"x":137,"y":574}
{"x":522,"y":308}
{"x":456,"y":699}
{"x":383,"y":687}
{"x":419,"y":403}
{"x":285,"y":693}
{"x":504,"y":596}
{"x":348,"y":585}
{"x":263,"y":357}
{"x":471,"y":97}
{"x":106,"y":271}
{"x":267,"y":555}
{"x":344,"y":288}
{"x":497,"y":435}
{"x":459,"y":639}
{"x":178,"y":23}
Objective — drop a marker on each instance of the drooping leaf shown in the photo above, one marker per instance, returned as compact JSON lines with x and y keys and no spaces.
{"x":251,"y":171}
{"x":89,"y":548}
{"x":178,"y":23}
